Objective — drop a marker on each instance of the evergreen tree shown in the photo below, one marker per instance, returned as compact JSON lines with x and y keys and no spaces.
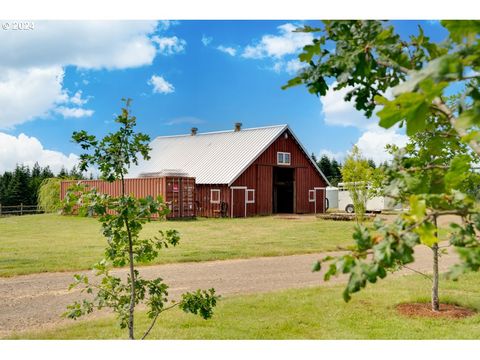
{"x":325,"y":165}
{"x":21,"y":186}
{"x":336,"y":173}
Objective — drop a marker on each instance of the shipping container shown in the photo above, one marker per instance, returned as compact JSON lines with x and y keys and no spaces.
{"x":177,"y":191}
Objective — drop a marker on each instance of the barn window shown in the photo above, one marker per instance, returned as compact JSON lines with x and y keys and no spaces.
{"x":250,"y":196}
{"x":311,"y":195}
{"x":215,"y":196}
{"x":283,"y":158}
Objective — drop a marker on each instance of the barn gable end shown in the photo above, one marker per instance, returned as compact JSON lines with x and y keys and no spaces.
{"x":260,"y":176}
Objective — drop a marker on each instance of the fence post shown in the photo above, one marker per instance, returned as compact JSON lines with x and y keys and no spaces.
{"x":21,"y":208}
{"x":0,"y":209}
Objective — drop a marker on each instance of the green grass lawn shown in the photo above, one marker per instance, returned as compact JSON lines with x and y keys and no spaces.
{"x":40,"y":243}
{"x":316,"y":313}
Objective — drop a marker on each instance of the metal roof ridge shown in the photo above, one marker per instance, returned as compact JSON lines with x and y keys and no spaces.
{"x":222,"y":131}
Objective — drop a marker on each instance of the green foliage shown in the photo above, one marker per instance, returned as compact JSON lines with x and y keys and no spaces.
{"x":433,"y":173}
{"x":361,"y":181}
{"x":49,"y":195}
{"x":122,"y":219}
{"x":200,"y":302}
{"x":331,"y":169}
{"x":21,"y":185}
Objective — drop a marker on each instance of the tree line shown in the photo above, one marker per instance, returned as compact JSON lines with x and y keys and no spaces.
{"x":21,"y":185}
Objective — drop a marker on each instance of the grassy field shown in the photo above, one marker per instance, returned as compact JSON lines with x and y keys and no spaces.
{"x":317,"y":313}
{"x":41,"y":243}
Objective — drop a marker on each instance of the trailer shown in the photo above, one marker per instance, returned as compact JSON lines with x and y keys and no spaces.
{"x":375,"y":204}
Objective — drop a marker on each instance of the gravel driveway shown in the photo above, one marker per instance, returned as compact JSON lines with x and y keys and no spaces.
{"x":36,"y":301}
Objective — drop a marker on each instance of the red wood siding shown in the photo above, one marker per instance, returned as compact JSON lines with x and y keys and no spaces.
{"x":179,"y":192}
{"x":202,"y":200}
{"x":258,"y":176}
{"x":264,"y":191}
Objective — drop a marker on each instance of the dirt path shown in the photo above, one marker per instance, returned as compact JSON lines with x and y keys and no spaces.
{"x":36,"y":301}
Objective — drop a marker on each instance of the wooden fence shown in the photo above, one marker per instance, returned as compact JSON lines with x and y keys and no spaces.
{"x":19,"y":210}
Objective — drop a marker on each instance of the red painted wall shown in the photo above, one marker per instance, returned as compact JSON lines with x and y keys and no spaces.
{"x":258,"y":176}
{"x":203,"y":204}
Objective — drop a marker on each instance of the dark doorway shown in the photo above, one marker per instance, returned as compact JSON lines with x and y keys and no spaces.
{"x":283,"y":190}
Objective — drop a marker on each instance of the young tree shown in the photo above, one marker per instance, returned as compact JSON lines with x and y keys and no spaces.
{"x":368,"y":60}
{"x":357,"y":175}
{"x":49,"y":195}
{"x":122,"y":219}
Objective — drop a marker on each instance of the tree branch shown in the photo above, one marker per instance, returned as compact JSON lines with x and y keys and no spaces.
{"x":418,"y":272}
{"x":443,"y":108}
{"x":155,"y":319}
{"x":394,"y":66}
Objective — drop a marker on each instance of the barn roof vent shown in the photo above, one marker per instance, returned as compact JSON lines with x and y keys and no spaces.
{"x":238,"y":126}
{"x":193,"y":131}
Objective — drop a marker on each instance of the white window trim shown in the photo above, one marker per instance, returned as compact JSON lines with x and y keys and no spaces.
{"x":312,"y":198}
{"x":283,"y":157}
{"x":246,"y":198}
{"x":211,"y":196}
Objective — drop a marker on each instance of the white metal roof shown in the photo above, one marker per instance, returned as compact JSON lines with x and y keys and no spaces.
{"x":212,"y":158}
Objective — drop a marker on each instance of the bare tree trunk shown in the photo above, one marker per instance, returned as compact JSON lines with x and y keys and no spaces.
{"x":132,"y":286}
{"x":435,"y":300}
{"x":132,"y":275}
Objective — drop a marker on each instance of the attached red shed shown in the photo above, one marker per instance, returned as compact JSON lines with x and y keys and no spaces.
{"x":244,"y":172}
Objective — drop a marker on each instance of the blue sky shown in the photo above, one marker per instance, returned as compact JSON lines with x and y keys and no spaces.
{"x":65,"y":76}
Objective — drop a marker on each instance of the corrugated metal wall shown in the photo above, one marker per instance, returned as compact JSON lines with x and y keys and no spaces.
{"x":179,"y":192}
{"x":258,"y":176}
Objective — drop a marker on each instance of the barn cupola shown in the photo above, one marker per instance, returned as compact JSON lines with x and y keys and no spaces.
{"x":193,"y":131}
{"x":238,"y":126}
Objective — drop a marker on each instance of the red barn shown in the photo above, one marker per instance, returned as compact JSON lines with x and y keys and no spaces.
{"x":243,"y":172}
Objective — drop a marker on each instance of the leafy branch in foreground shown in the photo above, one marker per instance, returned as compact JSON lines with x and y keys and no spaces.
{"x":434,"y":173}
{"x":122,"y":219}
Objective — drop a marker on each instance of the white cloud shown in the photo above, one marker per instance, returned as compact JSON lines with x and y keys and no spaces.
{"x":291,"y":67}
{"x":68,"y":112}
{"x":75,"y":111}
{"x":85,"y":44}
{"x":32,"y":63}
{"x":339,"y":155}
{"x":206,"y":40}
{"x":294,"y":66}
{"x":278,"y":46}
{"x":278,"y":66}
{"x":160,"y":85}
{"x":339,"y":112}
{"x":170,"y":45}
{"x":77,"y":99}
{"x":28,"y":150}
{"x":166,"y":24}
{"x":227,"y":49}
{"x":373,"y":141}
{"x":28,"y":93}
